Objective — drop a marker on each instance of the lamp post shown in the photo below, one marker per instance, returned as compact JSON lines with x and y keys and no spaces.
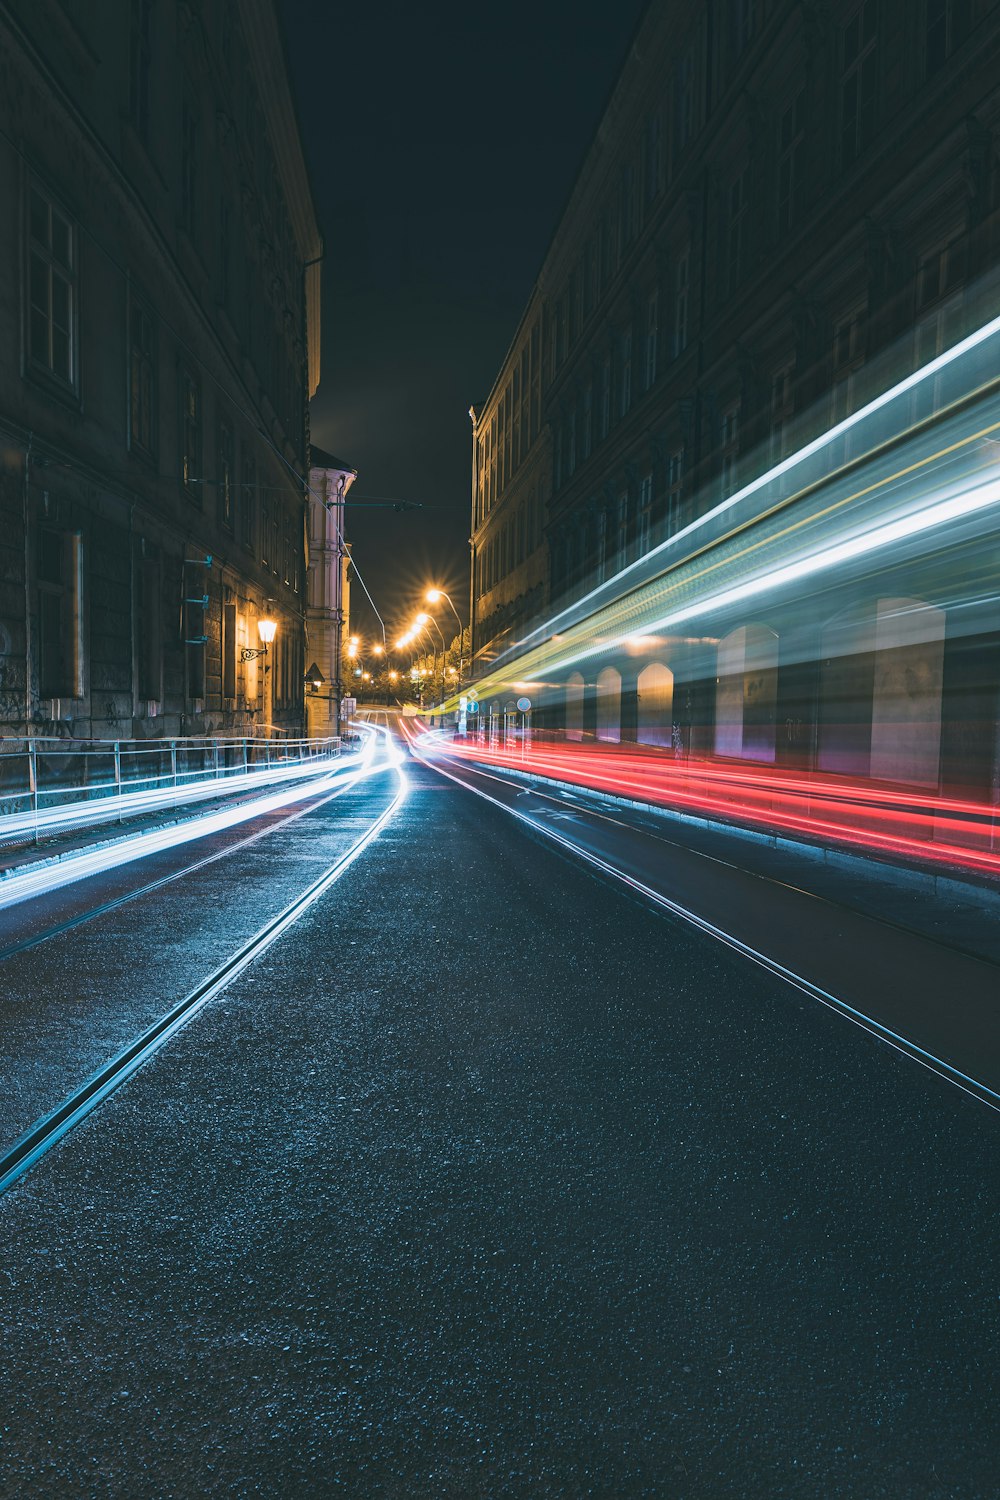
{"x":432,"y":596}
{"x":420,"y":625}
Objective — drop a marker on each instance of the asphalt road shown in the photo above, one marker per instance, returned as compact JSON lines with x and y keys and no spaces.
{"x":488,"y":1181}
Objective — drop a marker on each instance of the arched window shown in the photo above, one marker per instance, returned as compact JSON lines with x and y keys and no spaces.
{"x":655,"y":693}
{"x":880,"y":692}
{"x":609,"y":705}
{"x":746,"y":692}
{"x":574,"y":707}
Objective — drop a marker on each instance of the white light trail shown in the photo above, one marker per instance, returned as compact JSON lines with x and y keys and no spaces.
{"x":133,"y":804}
{"x":956,"y":508}
{"x":39,"y":878}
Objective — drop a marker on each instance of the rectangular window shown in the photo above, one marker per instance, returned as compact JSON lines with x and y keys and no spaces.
{"x":746,"y":23}
{"x":675,"y":490}
{"x":681,"y":288}
{"x":606,"y":396}
{"x":621,"y":541}
{"x":229,"y":651}
{"x":948,"y":24}
{"x":729,"y":445}
{"x":791,"y":133}
{"x":588,"y":419}
{"x":645,"y":514}
{"x":225,"y":479}
{"x":189,"y":160}
{"x":140,"y":53}
{"x":571,"y":445}
{"x":848,"y":357}
{"x":60,"y":615}
{"x":736,"y":214}
{"x":52,"y":288}
{"x":652,"y":337}
{"x":625,"y":390}
{"x":190,"y":436}
{"x":684,"y":95}
{"x":141,"y":378}
{"x":225,"y":255}
{"x":940,"y":273}
{"x":782,"y":408}
{"x":248,"y":501}
{"x":652,"y":157}
{"x":559,"y":334}
{"x":627,"y":192}
{"x":859,"y":81}
{"x":149,"y":628}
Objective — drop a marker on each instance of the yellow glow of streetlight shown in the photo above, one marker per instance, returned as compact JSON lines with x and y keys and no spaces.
{"x":433,"y":595}
{"x":422,"y":619}
{"x":378,"y":650}
{"x":266,"y":629}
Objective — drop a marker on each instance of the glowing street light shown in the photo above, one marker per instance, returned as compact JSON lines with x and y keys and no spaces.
{"x":434,"y":596}
{"x":266,"y":629}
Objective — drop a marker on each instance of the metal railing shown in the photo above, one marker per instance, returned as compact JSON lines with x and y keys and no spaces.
{"x":49,"y":785}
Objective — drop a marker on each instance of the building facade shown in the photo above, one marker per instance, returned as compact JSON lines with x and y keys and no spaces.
{"x":778,"y":193}
{"x":328,"y":594}
{"x":159,"y":312}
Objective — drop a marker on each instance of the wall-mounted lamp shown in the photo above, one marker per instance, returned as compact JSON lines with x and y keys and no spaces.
{"x":314,"y":678}
{"x":266,"y":630}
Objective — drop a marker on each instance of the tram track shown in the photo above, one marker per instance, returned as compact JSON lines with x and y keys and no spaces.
{"x":51,"y":1128}
{"x":956,"y":1041}
{"x":35,"y":940}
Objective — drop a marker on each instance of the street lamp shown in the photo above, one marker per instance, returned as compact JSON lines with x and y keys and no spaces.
{"x":266,"y":629}
{"x":420,"y":624}
{"x":433,"y":596}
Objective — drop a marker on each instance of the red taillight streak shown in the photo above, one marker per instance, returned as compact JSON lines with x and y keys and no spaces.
{"x":838,"y":810}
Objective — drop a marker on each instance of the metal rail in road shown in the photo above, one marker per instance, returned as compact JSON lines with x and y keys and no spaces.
{"x":51,"y":1128}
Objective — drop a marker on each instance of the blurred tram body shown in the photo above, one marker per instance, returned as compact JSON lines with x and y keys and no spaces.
{"x":819,"y":651}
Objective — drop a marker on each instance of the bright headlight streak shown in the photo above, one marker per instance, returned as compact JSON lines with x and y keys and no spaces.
{"x":860,"y":546}
{"x":153,"y":799}
{"x":38,"y":879}
{"x":926,"y":372}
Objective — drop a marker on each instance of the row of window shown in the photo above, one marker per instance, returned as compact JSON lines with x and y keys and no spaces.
{"x":512,"y":542}
{"x":513,"y":427}
{"x":947,"y":24}
{"x":247,"y":506}
{"x":60,"y":643}
{"x":605,"y":535}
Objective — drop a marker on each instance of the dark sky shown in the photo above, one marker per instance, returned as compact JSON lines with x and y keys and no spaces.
{"x":442,"y":143}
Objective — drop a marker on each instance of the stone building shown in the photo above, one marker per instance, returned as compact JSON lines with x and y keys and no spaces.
{"x":328,"y":596}
{"x":777,"y":193}
{"x":159,"y":341}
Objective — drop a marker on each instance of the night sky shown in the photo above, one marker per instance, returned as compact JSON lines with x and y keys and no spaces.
{"x":442,"y":145}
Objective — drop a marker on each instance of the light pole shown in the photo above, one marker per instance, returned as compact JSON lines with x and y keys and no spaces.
{"x":433,"y":595}
{"x":421,"y":623}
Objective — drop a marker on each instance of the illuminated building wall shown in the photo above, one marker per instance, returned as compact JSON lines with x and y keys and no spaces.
{"x":776,"y":195}
{"x":158,"y":346}
{"x":511,"y":484}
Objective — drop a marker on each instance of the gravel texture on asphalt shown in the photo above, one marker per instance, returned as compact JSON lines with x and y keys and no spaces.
{"x":75,"y":1001}
{"x":486,"y":1182}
